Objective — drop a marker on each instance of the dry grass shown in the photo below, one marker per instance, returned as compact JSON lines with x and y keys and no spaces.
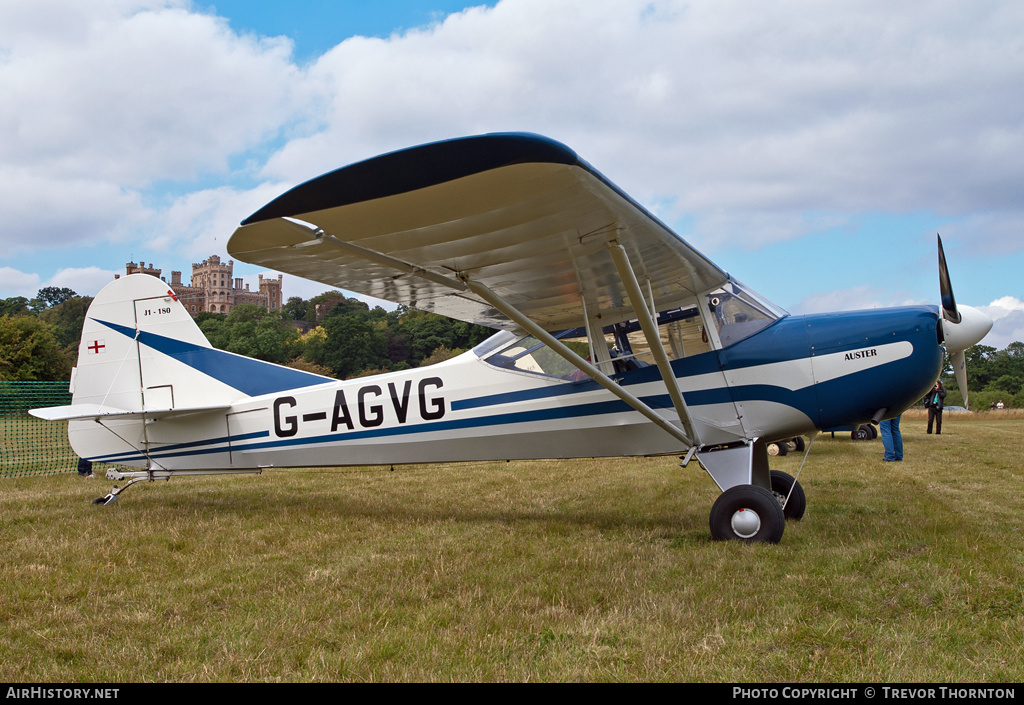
{"x":527,"y":571}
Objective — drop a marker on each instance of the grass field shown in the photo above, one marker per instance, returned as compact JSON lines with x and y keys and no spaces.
{"x":597,"y":570}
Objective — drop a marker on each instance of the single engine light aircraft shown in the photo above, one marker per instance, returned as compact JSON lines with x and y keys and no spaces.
{"x":616,"y":338}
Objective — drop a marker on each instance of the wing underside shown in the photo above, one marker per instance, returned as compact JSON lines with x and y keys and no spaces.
{"x":519,"y":214}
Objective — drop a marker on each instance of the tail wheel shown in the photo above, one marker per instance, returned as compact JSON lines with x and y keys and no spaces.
{"x":747,"y":513}
{"x":782,"y":483}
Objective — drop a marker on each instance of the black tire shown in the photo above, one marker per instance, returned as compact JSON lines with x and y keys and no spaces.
{"x":781,"y":484}
{"x":861,"y":433}
{"x":800,"y":445}
{"x":747,"y":513}
{"x":777,"y":448}
{"x":873,"y":430}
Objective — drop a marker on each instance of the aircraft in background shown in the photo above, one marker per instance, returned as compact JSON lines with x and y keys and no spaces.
{"x":616,"y":338}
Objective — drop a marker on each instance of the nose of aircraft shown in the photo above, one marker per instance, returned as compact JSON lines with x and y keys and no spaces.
{"x":962,"y":326}
{"x":973,"y":326}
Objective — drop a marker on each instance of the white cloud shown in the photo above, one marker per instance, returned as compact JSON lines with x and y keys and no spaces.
{"x":38,"y":211}
{"x":84,"y":281}
{"x":103,"y":99}
{"x":17,"y":283}
{"x":853,"y":299}
{"x":1007,"y":314}
{"x":143,"y":94}
{"x":841,"y":107}
{"x":200,"y":223}
{"x":738,"y":123}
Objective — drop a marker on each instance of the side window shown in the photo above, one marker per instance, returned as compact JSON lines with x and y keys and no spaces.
{"x":681,"y":331}
{"x":528,"y":354}
{"x":682,"y":337}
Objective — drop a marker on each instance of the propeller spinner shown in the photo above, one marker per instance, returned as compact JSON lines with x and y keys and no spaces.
{"x":962,"y":326}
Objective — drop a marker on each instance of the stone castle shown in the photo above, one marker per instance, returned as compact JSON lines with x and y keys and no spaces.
{"x":214,"y":288}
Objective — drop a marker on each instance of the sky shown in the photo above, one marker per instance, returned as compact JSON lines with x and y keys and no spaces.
{"x":813,"y":150}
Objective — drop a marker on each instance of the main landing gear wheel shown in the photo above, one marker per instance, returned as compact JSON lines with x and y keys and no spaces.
{"x":747,"y":513}
{"x":863,"y":433}
{"x":781,"y":484}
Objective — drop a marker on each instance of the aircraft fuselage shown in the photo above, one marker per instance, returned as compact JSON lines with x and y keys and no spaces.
{"x":799,"y":374}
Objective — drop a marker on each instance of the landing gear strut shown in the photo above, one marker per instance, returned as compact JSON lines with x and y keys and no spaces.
{"x":153,"y":475}
{"x":790,"y":495}
{"x":747,"y":510}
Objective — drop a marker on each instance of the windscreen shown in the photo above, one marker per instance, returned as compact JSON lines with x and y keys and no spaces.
{"x":738,"y":312}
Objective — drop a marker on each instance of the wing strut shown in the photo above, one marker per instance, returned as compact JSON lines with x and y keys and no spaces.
{"x":561,"y":349}
{"x":650,"y":329}
{"x":639,"y":305}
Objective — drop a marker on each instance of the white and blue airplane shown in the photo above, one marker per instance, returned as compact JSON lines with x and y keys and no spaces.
{"x":616,"y":338}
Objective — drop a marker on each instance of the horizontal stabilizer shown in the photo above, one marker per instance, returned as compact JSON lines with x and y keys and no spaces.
{"x":80,"y":412}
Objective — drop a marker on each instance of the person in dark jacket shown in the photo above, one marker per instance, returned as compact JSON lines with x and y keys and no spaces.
{"x":934,"y":403}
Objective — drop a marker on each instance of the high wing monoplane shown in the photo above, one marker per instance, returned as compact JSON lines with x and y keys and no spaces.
{"x":615,"y":338}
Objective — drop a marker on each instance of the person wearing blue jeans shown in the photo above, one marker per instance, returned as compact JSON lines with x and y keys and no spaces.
{"x":892,"y":439}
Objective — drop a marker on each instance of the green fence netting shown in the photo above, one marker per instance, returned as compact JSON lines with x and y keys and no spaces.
{"x":31,"y":446}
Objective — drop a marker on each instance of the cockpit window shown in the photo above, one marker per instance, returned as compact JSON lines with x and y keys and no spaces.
{"x":738,"y":312}
{"x":528,"y":354}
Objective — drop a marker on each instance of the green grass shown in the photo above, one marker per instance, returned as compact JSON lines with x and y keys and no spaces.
{"x":595,"y":570}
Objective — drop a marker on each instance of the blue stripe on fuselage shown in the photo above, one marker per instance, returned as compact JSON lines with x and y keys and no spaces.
{"x":793,"y":338}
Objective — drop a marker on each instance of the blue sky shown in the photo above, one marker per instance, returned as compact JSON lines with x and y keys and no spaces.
{"x":315,"y":26}
{"x":813,"y":150}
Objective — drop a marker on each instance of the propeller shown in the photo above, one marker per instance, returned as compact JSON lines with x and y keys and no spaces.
{"x":962,"y":326}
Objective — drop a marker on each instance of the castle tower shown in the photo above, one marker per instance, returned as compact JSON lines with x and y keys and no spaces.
{"x":141,"y":268}
{"x":214,"y":287}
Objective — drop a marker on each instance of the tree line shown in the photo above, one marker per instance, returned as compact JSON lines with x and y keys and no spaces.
{"x":992,"y":376}
{"x":343,"y":337}
{"x":330,"y":334}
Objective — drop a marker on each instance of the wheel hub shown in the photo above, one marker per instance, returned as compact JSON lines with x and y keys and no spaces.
{"x":746,"y":523}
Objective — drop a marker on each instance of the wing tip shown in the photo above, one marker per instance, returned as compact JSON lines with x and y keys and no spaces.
{"x":414,"y":168}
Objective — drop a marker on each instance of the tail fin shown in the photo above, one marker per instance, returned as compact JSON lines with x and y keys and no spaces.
{"x":142,"y":357}
{"x":117,"y":370}
{"x":141,"y":350}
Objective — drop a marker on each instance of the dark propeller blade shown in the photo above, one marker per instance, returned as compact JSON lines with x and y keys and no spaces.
{"x":949,"y":311}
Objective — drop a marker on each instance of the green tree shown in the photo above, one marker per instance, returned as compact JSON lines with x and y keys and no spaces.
{"x":50,"y":296}
{"x":354,"y":343}
{"x":426,"y":332}
{"x":29,"y":351}
{"x":216,"y":329}
{"x":67,"y":319}
{"x":314,"y":316}
{"x":255,"y":332}
{"x":295,"y":308}
{"x":1008,"y":383}
{"x":14,"y":306}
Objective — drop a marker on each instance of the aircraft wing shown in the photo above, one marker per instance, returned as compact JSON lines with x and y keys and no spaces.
{"x":521,"y":214}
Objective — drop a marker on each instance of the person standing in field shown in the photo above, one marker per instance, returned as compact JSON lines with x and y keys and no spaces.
{"x":892,"y":439}
{"x":934,"y":403}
